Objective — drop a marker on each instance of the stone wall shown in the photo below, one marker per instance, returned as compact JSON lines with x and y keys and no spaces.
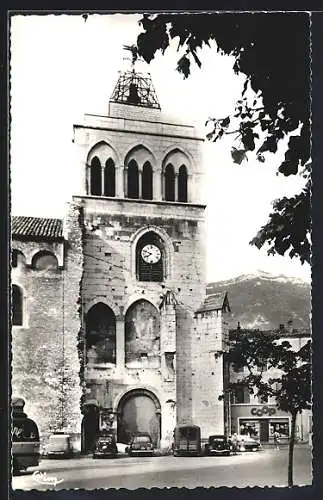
{"x":207,"y":372}
{"x":37,"y":346}
{"x":45,"y":363}
{"x":112,"y":228}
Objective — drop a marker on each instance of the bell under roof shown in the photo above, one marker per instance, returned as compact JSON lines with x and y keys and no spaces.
{"x":135,"y":89}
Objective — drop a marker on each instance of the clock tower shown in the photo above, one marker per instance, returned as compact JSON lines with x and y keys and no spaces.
{"x":140,"y":215}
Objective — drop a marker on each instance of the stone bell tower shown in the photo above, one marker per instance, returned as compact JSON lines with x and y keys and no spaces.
{"x":141,"y":217}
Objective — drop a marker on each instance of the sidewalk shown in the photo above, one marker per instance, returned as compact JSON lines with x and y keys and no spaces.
{"x":269,"y":446}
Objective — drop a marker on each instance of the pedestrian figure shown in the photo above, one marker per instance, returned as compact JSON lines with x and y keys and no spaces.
{"x":276,"y":439}
{"x":234,"y":441}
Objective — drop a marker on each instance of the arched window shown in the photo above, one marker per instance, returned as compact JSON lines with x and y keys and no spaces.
{"x":109,"y":178}
{"x":96,"y":177}
{"x":100,"y":328}
{"x":182,"y":184}
{"x":17,"y":306}
{"x":169,"y":183}
{"x":133,"y":180}
{"x":142,"y":334}
{"x":150,"y":258}
{"x":147,"y":182}
{"x":17,"y":258}
{"x":44,"y":261}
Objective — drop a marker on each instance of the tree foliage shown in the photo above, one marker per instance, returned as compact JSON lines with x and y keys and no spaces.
{"x":262,"y":354}
{"x":275,"y":370}
{"x":273,"y":52}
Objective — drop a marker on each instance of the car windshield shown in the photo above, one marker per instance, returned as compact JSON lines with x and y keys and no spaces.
{"x":141,"y":439}
{"x":58,"y":439}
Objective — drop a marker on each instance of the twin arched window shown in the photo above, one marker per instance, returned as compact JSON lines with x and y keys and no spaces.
{"x":175,"y":189}
{"x":142,"y":334}
{"x":137,"y":189}
{"x":102,"y":178}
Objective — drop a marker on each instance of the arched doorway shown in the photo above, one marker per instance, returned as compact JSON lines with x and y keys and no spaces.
{"x":90,"y":427}
{"x":139,"y":411}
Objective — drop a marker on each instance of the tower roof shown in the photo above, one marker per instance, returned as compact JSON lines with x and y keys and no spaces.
{"x":135,"y":89}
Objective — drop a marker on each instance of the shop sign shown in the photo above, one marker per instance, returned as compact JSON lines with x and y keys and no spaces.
{"x":265,"y":410}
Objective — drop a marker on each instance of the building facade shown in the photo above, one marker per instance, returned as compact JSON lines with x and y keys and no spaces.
{"x":110,"y":324}
{"x":260,"y":418}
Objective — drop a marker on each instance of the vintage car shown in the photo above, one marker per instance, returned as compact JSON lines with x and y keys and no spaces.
{"x":218,"y":445}
{"x":59,"y":445}
{"x":141,"y":444}
{"x":247,"y":443}
{"x":187,"y":440}
{"x":105,"y":446}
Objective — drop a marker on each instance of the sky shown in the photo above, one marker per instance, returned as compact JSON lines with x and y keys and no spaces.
{"x":62,"y":67}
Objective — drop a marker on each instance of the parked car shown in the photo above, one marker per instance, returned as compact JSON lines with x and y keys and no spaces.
{"x":141,"y":444}
{"x":187,"y":440}
{"x":59,"y":445}
{"x":105,"y":446}
{"x":218,"y":445}
{"x":247,"y":443}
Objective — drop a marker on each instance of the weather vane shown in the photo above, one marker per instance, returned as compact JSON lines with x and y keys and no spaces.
{"x":134,"y":54}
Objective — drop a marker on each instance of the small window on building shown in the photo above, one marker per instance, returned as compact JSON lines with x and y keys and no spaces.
{"x":14,"y":258}
{"x":147,"y":182}
{"x":17,"y":258}
{"x":109,"y":178}
{"x":44,"y":261}
{"x":169,"y":365}
{"x":133,"y":180}
{"x":96,"y":177}
{"x":182,"y":184}
{"x":17,"y":306}
{"x":239,"y":369}
{"x":169,"y":183}
{"x":241,"y":395}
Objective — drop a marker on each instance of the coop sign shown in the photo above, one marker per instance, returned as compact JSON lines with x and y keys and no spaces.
{"x":264,"y":411}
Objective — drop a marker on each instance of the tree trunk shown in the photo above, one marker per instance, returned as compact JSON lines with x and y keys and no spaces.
{"x":291,"y":450}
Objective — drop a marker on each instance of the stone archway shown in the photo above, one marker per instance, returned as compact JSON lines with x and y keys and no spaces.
{"x":139,"y":411}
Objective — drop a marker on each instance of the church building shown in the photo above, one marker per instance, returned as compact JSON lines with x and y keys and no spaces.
{"x":110,"y":321}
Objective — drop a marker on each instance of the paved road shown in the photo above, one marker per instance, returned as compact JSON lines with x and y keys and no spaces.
{"x":267,"y":467}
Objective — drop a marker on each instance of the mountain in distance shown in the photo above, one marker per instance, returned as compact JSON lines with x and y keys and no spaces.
{"x":265,"y":301}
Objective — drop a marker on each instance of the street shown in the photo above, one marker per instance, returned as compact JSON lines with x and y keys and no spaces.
{"x":266,"y":467}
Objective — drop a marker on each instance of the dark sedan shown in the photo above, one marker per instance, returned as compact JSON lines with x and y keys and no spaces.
{"x":141,"y":444}
{"x":218,"y":445}
{"x":105,"y":446}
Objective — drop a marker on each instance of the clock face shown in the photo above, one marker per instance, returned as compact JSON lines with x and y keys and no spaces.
{"x":151,"y":254}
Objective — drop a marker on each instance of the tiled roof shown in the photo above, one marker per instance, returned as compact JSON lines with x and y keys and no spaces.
{"x":36,"y":228}
{"x":214,"y":302}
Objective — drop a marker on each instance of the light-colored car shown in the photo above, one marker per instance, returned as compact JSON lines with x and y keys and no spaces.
{"x":59,"y":445}
{"x":247,"y":443}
